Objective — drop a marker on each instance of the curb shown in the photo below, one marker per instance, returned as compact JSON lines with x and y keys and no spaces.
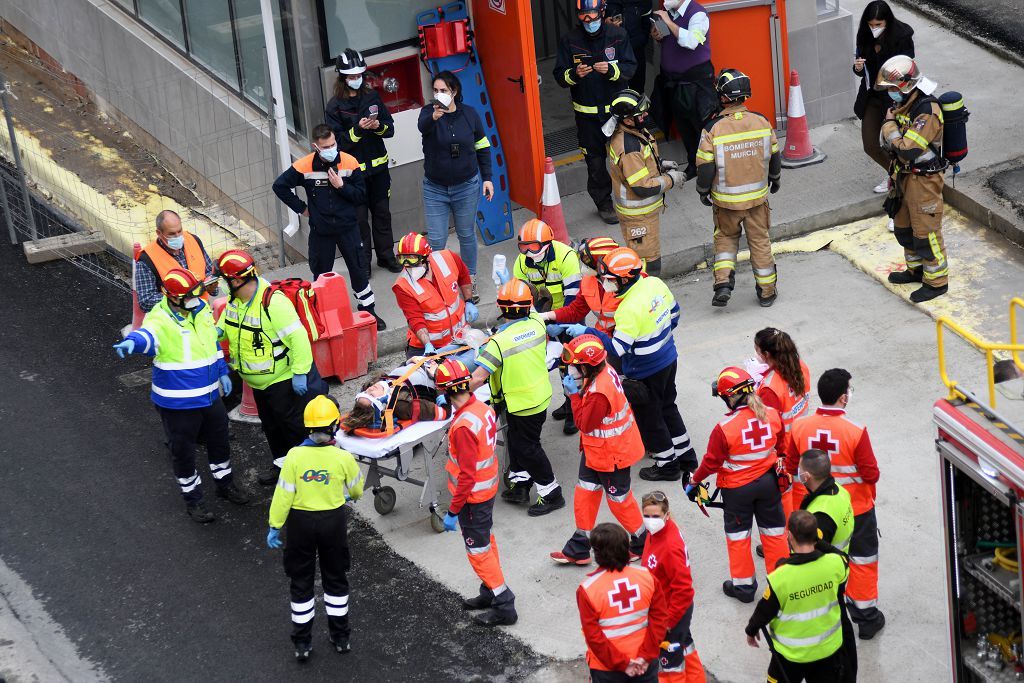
{"x":989,"y":217}
{"x":950,"y":24}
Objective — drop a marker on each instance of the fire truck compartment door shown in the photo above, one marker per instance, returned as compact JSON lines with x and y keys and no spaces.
{"x":504,"y":41}
{"x":975,"y":471}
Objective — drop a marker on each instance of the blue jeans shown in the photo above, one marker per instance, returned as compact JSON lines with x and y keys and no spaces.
{"x":460,"y":200}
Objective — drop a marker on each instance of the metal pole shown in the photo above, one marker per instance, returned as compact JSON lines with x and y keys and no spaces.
{"x":33,"y":233}
{"x":281,"y":128}
{"x":273,"y":146}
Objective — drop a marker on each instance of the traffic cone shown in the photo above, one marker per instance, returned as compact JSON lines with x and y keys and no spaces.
{"x":246,"y":410}
{"x":137,"y":313}
{"x":798,"y":151}
{"x":551,"y":203}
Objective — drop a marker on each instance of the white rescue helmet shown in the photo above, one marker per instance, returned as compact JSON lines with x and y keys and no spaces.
{"x":901,"y":72}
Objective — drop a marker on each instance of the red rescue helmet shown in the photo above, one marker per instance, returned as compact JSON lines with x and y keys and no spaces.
{"x":733,"y":381}
{"x":236,"y":264}
{"x":593,"y":249}
{"x":181,"y":284}
{"x":515,"y":294}
{"x":452,"y":375}
{"x":585,"y":349}
{"x":413,"y":249}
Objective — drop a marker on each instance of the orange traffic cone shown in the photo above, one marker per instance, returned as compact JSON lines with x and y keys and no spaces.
{"x":137,"y":313}
{"x":246,"y":410}
{"x":798,"y":151}
{"x":551,"y":203}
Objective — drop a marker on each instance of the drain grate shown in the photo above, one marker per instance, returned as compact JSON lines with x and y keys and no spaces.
{"x":561,"y":142}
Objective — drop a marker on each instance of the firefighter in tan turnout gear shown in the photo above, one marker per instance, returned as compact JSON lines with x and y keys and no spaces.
{"x":640,"y":178}
{"x":912,"y":132}
{"x":738,"y":163}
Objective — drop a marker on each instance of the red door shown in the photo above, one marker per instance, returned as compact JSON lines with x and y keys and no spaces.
{"x":504,"y":41}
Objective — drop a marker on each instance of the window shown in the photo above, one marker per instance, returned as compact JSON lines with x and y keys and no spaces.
{"x":165,"y":17}
{"x":371,"y":23}
{"x":827,"y":6}
{"x":253,"y":57}
{"x":210,"y":37}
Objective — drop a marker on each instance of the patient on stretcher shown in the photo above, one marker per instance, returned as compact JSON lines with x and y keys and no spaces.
{"x":414,"y":402}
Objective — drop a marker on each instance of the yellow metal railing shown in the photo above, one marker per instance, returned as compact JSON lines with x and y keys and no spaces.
{"x":985,"y":347}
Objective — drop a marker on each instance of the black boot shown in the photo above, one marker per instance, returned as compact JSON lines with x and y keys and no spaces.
{"x":569,"y":426}
{"x":517,"y":494}
{"x":502,"y":611}
{"x":198,"y":512}
{"x":869,"y":629}
{"x":341,"y":645}
{"x":481,"y":601}
{"x":744,"y":594}
{"x":927,"y":293}
{"x":232,"y":494}
{"x":654,"y":267}
{"x":722,"y":295}
{"x":665,"y":473}
{"x":906,"y":277}
{"x":547,"y":504}
{"x":390,"y":264}
{"x":268,"y":477}
{"x":302,"y":652}
{"x":608,"y":216}
{"x":372,"y":310}
{"x":560,"y":413}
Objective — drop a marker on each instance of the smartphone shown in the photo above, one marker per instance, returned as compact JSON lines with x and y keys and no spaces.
{"x":660,"y":24}
{"x":437,"y":103}
{"x":617,"y":19}
{"x":372,"y":117}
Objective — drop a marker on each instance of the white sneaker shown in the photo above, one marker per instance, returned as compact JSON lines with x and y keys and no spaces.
{"x":882,"y":187}
{"x":892,"y":228}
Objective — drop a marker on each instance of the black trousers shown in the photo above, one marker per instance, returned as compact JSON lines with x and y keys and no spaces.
{"x":321,"y":260}
{"x":527,"y":461}
{"x":310,"y":535}
{"x":639,"y":80}
{"x":649,"y":676}
{"x":377,"y":207}
{"x":680,"y":637}
{"x":280,"y":410}
{"x":183,"y":429}
{"x":827,"y":670}
{"x":690,"y":104}
{"x":661,"y":426}
{"x":594,"y":146}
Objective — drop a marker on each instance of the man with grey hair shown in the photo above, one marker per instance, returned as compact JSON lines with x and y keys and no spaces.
{"x":826,"y":500}
{"x":173,"y":247}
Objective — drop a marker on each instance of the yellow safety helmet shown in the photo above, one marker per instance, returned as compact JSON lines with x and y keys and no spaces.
{"x":321,"y":412}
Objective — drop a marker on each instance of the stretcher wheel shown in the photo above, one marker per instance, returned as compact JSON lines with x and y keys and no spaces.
{"x":437,"y":522}
{"x":384,"y":500}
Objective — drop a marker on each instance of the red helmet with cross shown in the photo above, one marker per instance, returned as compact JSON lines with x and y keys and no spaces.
{"x":180,"y":283}
{"x":734,"y":381}
{"x":585,"y":349}
{"x":452,"y":375}
{"x":236,"y":264}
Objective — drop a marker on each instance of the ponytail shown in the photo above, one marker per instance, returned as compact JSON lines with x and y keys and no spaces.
{"x":784,"y":357}
{"x":755,"y":403}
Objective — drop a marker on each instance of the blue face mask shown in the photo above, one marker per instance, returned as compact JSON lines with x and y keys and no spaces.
{"x":329,"y":154}
{"x":592,"y":26}
{"x":896,"y":96}
{"x":176,"y":243}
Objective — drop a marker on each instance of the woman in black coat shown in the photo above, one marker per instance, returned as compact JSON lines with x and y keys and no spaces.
{"x":879,"y":37}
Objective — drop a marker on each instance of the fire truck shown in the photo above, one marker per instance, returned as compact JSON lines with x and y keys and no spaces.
{"x":981,"y":458}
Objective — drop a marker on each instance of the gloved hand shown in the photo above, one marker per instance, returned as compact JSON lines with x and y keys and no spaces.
{"x":299,"y":384}
{"x":774,"y":186}
{"x":441,"y":400}
{"x":669,"y":165}
{"x":429,"y":349}
{"x":450,"y":521}
{"x":503,"y":275}
{"x":472,"y":312}
{"x":225,"y":385}
{"x":576,"y":329}
{"x":555,"y":330}
{"x":692,"y":491}
{"x":274,"y":538}
{"x":678,"y":178}
{"x":124,"y":348}
{"x":570,"y":385}
{"x":705,"y":199}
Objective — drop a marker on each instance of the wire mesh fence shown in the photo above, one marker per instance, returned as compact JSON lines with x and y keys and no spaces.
{"x":71,"y":162}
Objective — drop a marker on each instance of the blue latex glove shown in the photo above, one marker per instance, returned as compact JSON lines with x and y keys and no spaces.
{"x":299,"y":384}
{"x":124,"y":348}
{"x":450,"y":521}
{"x":576,"y":329}
{"x":570,"y":385}
{"x":441,"y":400}
{"x":429,"y":349}
{"x":472,"y":312}
{"x":555,"y":330}
{"x":225,"y":385}
{"x":691,"y":491}
{"x":504,"y":276}
{"x":274,"y":538}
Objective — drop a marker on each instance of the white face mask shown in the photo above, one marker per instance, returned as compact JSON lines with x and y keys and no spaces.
{"x":654,"y":524}
{"x":574,"y":373}
{"x":672,"y":4}
{"x":193,"y":303}
{"x":355,"y":83}
{"x":417,"y":272}
{"x":444,"y":98}
{"x":320,"y":438}
{"x":609,"y":286}
{"x":849,"y":395}
{"x":877,"y":31}
{"x":538,"y":256}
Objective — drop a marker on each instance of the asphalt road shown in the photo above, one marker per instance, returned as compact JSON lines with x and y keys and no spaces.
{"x":92,"y":521}
{"x":981,"y":21}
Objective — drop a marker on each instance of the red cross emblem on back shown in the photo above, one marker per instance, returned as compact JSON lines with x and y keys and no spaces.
{"x":756,"y":434}
{"x":823,"y":441}
{"x":624,"y":595}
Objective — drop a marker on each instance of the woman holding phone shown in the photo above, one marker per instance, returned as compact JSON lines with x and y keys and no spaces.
{"x":880,"y":36}
{"x":456,"y":166}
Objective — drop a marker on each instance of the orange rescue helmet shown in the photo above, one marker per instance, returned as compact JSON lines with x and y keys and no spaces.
{"x":733,"y":381}
{"x":236,"y":264}
{"x":515,"y":294}
{"x":585,"y":349}
{"x":623,"y":263}
{"x":180,"y":283}
{"x":534,"y":234}
{"x":452,"y":375}
{"x":593,"y":249}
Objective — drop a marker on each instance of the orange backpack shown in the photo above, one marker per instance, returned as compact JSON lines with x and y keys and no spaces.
{"x":300,"y":293}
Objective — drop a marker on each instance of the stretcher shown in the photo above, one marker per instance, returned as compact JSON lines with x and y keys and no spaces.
{"x":425,"y":440}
